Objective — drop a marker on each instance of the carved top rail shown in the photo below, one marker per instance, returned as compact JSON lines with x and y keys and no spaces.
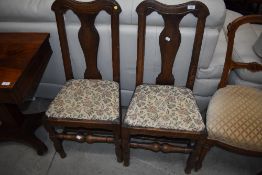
{"x":170,"y":37}
{"x":229,"y":62}
{"x":88,"y":34}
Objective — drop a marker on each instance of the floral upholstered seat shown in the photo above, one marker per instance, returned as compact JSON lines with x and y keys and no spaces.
{"x":165,"y":107}
{"x":87,"y":99}
{"x":239,"y":124}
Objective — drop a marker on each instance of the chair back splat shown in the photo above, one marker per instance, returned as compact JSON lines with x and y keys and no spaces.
{"x":170,"y":38}
{"x":88,"y":34}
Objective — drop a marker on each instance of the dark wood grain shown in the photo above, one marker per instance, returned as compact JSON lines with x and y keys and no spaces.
{"x":89,"y":40}
{"x":169,"y":41}
{"x":230,"y":65}
{"x":16,"y":60}
{"x":23,"y":59}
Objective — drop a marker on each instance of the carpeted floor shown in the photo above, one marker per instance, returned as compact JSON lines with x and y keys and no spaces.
{"x":94,"y":159}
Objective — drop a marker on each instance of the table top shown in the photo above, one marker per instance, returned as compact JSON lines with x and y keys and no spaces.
{"x":20,"y":53}
{"x":16,"y":53}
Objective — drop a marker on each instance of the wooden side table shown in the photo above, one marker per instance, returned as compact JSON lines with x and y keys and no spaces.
{"x":23,"y":59}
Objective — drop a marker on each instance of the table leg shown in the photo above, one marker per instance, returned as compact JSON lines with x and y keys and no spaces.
{"x":19,"y":127}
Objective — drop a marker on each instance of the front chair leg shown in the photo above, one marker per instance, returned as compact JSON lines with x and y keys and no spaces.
{"x":118,"y":146}
{"x":193,"y":156}
{"x":205,"y":148}
{"x":57,"y":142}
{"x":125,"y":147}
{"x":58,"y":146}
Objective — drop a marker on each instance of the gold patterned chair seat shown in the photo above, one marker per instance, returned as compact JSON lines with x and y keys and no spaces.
{"x":165,"y":107}
{"x":87,"y":99}
{"x":239,"y":123}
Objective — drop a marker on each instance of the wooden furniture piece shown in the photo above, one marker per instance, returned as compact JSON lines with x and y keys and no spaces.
{"x":161,"y":111}
{"x":23,"y":59}
{"x":234,"y":115}
{"x":88,"y":110}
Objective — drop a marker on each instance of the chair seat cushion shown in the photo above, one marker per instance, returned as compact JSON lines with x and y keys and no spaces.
{"x":165,"y":107}
{"x":86,"y":99}
{"x":234,"y":117}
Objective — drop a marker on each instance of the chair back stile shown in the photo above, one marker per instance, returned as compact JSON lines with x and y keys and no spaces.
{"x":88,"y":35}
{"x":170,"y":38}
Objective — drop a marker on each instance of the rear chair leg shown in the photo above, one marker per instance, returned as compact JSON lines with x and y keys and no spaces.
{"x":126,"y":147}
{"x":193,"y":156}
{"x":205,"y":148}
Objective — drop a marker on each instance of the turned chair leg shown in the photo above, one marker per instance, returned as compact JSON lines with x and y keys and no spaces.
{"x":194,"y":156}
{"x":57,"y":142}
{"x":126,"y":147}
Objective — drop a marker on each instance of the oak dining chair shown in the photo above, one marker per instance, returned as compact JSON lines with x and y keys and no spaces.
{"x":88,"y":109}
{"x":161,"y":116}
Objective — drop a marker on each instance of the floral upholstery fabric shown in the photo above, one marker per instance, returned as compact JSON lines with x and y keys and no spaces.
{"x":165,"y":107}
{"x":87,"y":99}
{"x":234,"y":117}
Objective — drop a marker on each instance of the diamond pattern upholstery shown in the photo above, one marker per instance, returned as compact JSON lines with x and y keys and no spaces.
{"x":87,"y":99}
{"x":166,"y":107}
{"x":234,"y":117}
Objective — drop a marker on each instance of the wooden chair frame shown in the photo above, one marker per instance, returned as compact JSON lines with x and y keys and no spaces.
{"x":94,"y":130}
{"x":230,"y":65}
{"x":172,"y":15}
